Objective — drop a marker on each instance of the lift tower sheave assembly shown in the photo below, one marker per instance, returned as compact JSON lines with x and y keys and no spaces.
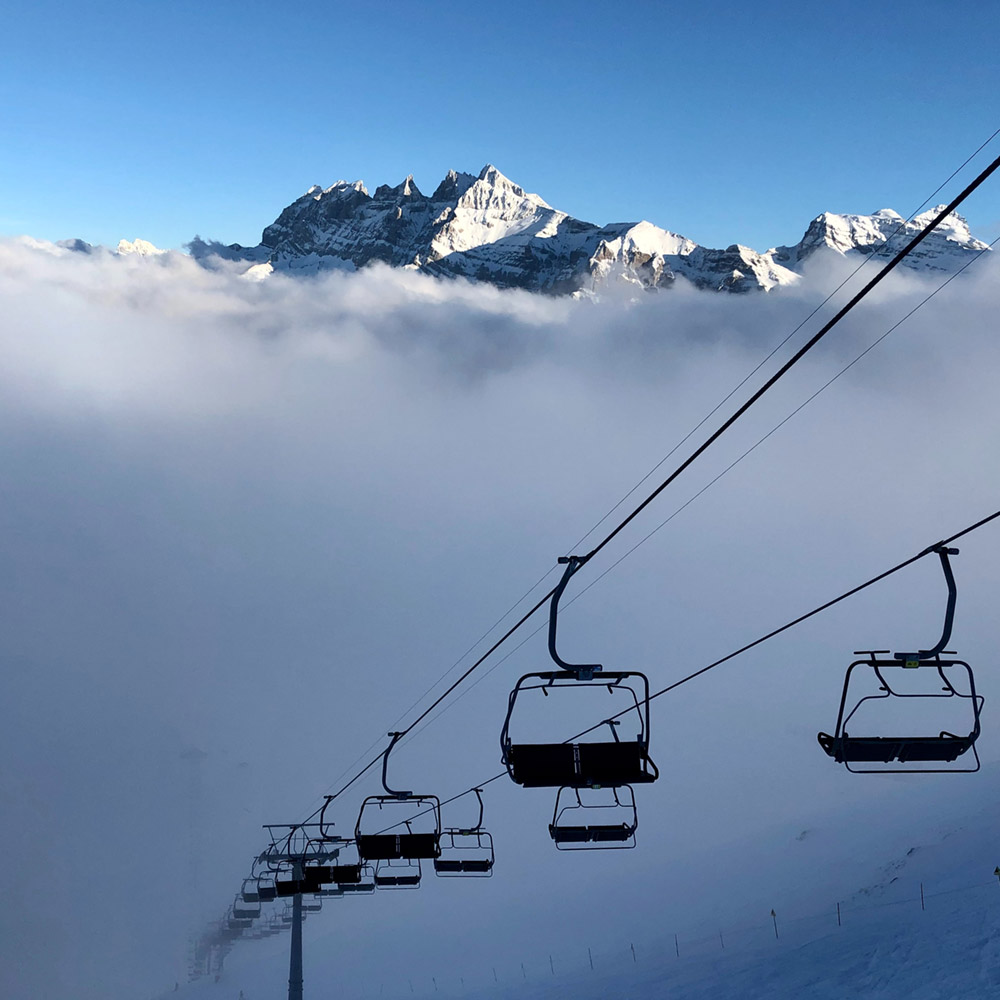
{"x":292,"y":853}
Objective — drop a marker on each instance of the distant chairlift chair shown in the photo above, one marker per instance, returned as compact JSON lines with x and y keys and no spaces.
{"x":397,"y":853}
{"x":466,"y":852}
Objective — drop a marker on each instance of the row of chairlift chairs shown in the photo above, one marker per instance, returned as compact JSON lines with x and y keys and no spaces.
{"x":606,"y":768}
{"x":595,"y":806}
{"x":613,"y":765}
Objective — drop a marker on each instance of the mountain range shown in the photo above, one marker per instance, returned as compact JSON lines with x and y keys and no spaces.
{"x":487,"y":228}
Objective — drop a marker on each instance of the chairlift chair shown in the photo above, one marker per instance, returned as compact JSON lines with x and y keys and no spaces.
{"x":398,"y":873}
{"x":606,"y":763}
{"x":576,"y":824}
{"x":266,"y":889}
{"x":346,"y":874}
{"x":365,"y":885}
{"x":468,"y":851}
{"x":237,"y":923}
{"x":942,"y":748}
{"x":314,"y":877}
{"x":250,"y":891}
{"x":245,"y":911}
{"x":390,"y":843}
{"x":288,"y":887}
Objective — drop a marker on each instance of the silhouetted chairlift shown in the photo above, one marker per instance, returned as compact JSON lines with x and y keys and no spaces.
{"x":236,"y":923}
{"x":386,"y":845}
{"x":249,"y":890}
{"x":346,"y":874}
{"x":466,"y":852}
{"x":266,"y":889}
{"x":610,"y":763}
{"x":330,"y":892}
{"x":365,"y":885}
{"x":576,"y":825}
{"x":310,"y":904}
{"x":943,"y":748}
{"x":315,"y":876}
{"x":398,"y":873}
{"x":245,"y":911}
{"x":288,"y":887}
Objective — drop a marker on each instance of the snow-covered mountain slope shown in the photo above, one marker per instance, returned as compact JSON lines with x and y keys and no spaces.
{"x":488,"y":228}
{"x":901,"y":906}
{"x":946,"y":249}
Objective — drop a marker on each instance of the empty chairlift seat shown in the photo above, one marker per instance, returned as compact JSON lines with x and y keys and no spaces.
{"x":580,"y":765}
{"x":466,"y":851}
{"x":931,"y":683}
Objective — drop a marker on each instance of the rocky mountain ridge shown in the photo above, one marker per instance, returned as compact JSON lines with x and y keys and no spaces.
{"x":487,"y":228}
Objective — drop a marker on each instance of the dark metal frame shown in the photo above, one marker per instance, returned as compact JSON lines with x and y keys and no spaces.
{"x":575,"y":676}
{"x":385,"y":846}
{"x":406,"y":873}
{"x":598,"y":837}
{"x":463,"y":842}
{"x":944,"y":748}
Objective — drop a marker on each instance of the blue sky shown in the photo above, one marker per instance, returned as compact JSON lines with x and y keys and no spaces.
{"x":722,"y":121}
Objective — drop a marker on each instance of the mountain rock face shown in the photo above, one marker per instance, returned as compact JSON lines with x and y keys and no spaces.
{"x":487,"y":228}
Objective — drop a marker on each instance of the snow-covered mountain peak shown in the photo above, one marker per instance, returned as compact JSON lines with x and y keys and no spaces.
{"x":346,"y":188}
{"x":487,"y":228}
{"x":453,"y":186}
{"x":138,"y":248}
{"x":953,"y":227}
{"x":407,"y":189}
{"x":491,"y":180}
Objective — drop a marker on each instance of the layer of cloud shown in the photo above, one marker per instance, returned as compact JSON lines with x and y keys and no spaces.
{"x":261,"y":519}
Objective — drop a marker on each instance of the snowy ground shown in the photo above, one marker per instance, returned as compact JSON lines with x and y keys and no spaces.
{"x":889,"y":944}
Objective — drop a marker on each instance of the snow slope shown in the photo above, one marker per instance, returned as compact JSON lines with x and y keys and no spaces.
{"x":886,"y":942}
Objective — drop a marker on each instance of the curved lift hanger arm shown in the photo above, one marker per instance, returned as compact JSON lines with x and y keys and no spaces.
{"x":949,"y":613}
{"x":583,"y":671}
{"x":385,"y":764}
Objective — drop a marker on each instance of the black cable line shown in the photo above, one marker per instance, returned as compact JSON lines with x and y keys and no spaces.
{"x":729,"y":467}
{"x":743,"y":649}
{"x":823,"y":331}
{"x":781,"y":423}
{"x":815,"y":339}
{"x":864,"y":263}
{"x":403,"y":715}
{"x":802,"y":618}
{"x":783,"y":370}
{"x":802,"y":351}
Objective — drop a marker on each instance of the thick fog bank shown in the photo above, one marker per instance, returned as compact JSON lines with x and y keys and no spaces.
{"x":247,"y":525}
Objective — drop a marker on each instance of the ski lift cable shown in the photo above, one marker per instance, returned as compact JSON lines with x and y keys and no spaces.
{"x":732,"y":419}
{"x":457,"y":662}
{"x":870,"y":285}
{"x":864,"y":263}
{"x":783,"y":370}
{"x":757,"y":642}
{"x":823,"y":607}
{"x":724,"y":471}
{"x":718,"y":406}
{"x":815,"y":339}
